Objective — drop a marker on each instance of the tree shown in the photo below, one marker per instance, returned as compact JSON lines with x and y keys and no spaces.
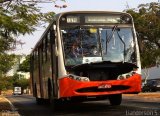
{"x":147,"y":24}
{"x":19,"y":80}
{"x":25,"y":65}
{"x":5,"y":83}
{"x":19,"y":17}
{"x":6,"y":63}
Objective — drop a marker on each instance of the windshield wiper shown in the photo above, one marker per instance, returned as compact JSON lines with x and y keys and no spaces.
{"x":115,"y":28}
{"x":124,"y":52}
{"x":108,"y":38}
{"x":111,"y":35}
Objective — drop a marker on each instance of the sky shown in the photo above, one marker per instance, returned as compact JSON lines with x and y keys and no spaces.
{"x":76,"y":5}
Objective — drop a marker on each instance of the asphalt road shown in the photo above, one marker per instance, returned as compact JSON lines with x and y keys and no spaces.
{"x":131,"y":106}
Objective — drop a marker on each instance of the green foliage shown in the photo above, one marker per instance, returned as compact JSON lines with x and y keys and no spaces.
{"x":19,"y":17}
{"x":19,"y":80}
{"x":147,"y":24}
{"x":5,"y":83}
{"x":6,"y":62}
{"x":25,"y":65}
{"x":15,"y":80}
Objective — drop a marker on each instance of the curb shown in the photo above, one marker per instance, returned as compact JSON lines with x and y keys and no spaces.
{"x":12,"y":106}
{"x":13,"y":109}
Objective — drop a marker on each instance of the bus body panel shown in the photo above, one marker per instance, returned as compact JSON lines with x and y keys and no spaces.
{"x":70,"y":87}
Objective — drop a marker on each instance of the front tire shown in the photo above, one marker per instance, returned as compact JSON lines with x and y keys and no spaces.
{"x":115,"y":99}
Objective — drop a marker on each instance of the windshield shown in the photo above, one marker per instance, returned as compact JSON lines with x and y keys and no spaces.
{"x":117,"y":45}
{"x":89,"y":45}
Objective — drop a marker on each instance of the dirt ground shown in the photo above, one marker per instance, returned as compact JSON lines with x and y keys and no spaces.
{"x":4,"y":104}
{"x":146,"y":95}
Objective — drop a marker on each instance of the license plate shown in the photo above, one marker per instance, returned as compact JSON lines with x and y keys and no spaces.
{"x":103,"y":86}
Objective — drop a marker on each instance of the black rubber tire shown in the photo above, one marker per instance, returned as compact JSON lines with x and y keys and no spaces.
{"x":115,"y":99}
{"x":39,"y":101}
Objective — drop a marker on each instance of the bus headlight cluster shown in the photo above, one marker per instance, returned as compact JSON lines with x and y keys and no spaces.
{"x":125,"y":76}
{"x":79,"y":78}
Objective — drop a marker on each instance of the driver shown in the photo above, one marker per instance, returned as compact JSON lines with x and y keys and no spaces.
{"x":76,"y":51}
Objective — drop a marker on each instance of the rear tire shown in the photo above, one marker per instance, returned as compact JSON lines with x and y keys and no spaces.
{"x":115,"y":99}
{"x":39,"y":101}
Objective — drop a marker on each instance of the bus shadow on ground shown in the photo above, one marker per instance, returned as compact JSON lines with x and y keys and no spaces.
{"x":89,"y":108}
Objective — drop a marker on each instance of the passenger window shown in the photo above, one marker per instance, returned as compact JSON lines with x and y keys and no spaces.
{"x":52,"y":36}
{"x":43,"y":51}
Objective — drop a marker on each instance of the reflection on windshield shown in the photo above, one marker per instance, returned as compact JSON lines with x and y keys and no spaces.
{"x":86,"y":45}
{"x":113,"y":48}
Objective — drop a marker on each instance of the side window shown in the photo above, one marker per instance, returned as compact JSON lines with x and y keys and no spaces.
{"x":49,"y":36}
{"x":43,"y":51}
{"x":52,"y":36}
{"x":46,"y":46}
{"x":35,"y":59}
{"x":32,"y":62}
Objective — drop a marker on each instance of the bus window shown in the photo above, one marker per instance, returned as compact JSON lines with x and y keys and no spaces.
{"x":46,"y":47}
{"x":113,"y":47}
{"x":35,"y":60}
{"x":80,"y":43}
{"x":43,"y":51}
{"x":52,"y":36}
{"x":90,"y":43}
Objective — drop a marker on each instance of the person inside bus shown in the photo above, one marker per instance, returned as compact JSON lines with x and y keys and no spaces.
{"x":76,"y":50}
{"x":94,"y":50}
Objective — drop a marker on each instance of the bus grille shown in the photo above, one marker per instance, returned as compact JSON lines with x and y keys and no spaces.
{"x":96,"y":89}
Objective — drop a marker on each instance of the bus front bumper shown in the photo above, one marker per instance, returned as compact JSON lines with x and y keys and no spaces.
{"x":71,"y":88}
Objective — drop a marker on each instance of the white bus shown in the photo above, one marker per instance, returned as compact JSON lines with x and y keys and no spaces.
{"x":86,"y":54}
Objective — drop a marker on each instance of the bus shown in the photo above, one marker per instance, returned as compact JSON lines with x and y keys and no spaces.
{"x":86,"y":55}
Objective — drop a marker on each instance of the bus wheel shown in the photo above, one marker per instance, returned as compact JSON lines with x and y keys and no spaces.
{"x":115,"y":99}
{"x":39,"y":101}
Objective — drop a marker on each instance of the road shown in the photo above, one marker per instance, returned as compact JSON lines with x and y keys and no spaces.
{"x":131,"y":106}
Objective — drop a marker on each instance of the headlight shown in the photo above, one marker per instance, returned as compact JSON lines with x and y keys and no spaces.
{"x":125,"y":76}
{"x":121,"y":77}
{"x":79,"y":78}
